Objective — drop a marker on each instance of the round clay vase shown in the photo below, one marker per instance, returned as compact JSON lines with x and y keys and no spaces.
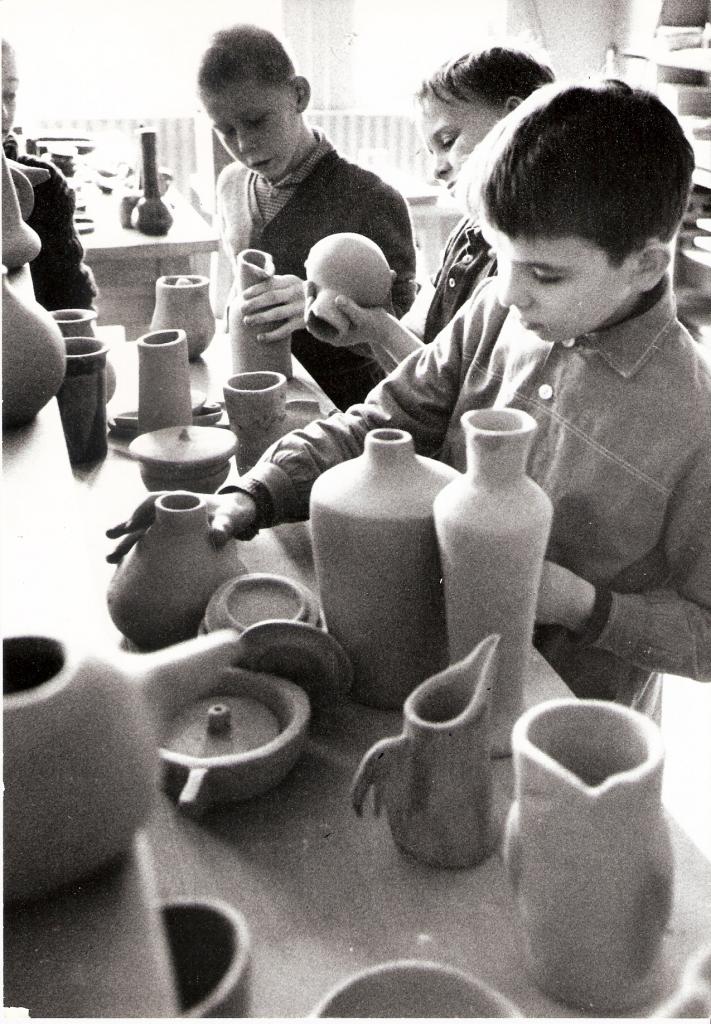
{"x":20,"y":243}
{"x":378,"y":567}
{"x":184,"y":301}
{"x":492,"y":526}
{"x":344,"y":264}
{"x":248,"y":353}
{"x":33,"y":354}
{"x":164,"y":398}
{"x":445,"y":740}
{"x":588,"y":852}
{"x":151,"y":214}
{"x":160,"y":589}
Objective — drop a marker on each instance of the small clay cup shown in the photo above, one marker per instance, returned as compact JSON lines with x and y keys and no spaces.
{"x":76,"y":323}
{"x":255,"y":403}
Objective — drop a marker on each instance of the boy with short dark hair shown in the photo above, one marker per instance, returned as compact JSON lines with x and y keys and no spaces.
{"x":288,"y":189}
{"x":581,"y":190}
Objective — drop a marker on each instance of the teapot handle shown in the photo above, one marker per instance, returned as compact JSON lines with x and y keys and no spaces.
{"x":193,"y":799}
{"x":373,"y":771}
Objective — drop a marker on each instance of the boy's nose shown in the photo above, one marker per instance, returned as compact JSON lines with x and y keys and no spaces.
{"x":443,"y":169}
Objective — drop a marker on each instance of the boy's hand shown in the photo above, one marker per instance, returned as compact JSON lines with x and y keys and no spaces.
{"x":564,"y":598}
{"x":231,"y":515}
{"x":275,"y":305}
{"x":366,"y":325}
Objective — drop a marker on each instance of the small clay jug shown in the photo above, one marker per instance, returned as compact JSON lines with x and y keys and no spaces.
{"x":255,"y":404}
{"x":82,"y":400}
{"x":20,"y":243}
{"x":160,"y":589}
{"x":435,"y":778}
{"x":33,"y":354}
{"x":378,"y":567}
{"x":151,"y":215}
{"x":248,"y":353}
{"x":184,"y":301}
{"x":164,"y":398}
{"x":492,"y":527}
{"x":588,"y":853}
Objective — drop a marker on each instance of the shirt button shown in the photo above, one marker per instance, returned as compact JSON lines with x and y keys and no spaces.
{"x":467,"y":259}
{"x":545,"y":392}
{"x":451,"y":282}
{"x":569,"y":342}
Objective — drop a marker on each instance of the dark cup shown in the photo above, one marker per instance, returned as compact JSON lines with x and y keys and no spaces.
{"x":82,"y":400}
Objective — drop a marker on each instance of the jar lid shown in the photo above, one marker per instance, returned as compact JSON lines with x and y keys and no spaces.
{"x":183,"y":446}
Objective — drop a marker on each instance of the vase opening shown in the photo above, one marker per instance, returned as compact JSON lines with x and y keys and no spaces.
{"x":258,"y":380}
{"x":498,"y":421}
{"x":30,"y":662}
{"x":198,"y":927}
{"x":179,"y":501}
{"x":183,"y":280}
{"x":256,"y":258}
{"x":77,"y":347}
{"x":73,"y":315}
{"x":162,"y":337}
{"x":439,"y":704}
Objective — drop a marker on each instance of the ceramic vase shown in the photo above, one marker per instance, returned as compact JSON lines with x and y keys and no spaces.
{"x":435,"y":778}
{"x":248,"y":353}
{"x":492,"y":528}
{"x":33,"y":355}
{"x":164,"y":398}
{"x":82,"y":400}
{"x":20,"y":243}
{"x":75,"y":323}
{"x":255,"y":404}
{"x":151,"y":214}
{"x":184,"y":302}
{"x":378,"y":567}
{"x":344,"y":264}
{"x":160,"y":589}
{"x":588,"y":851}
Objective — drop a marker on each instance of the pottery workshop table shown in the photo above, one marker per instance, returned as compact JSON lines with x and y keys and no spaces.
{"x":126,"y":263}
{"x":324,"y":892}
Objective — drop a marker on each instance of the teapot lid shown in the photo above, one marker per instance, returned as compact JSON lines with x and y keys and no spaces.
{"x":183,"y":446}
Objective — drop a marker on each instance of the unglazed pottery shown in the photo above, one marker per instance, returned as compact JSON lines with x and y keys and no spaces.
{"x":33,"y":354}
{"x":693,"y":995}
{"x":256,"y":596}
{"x":229,"y":739}
{"x":75,"y":323}
{"x":82,"y":400}
{"x":435,"y":778}
{"x":184,"y":458}
{"x":344,"y":264}
{"x":164,"y":398}
{"x":151,"y":214}
{"x":209,"y":945}
{"x":256,"y":408}
{"x":160,"y":589}
{"x":378,"y":568}
{"x":248,"y":353}
{"x":413,"y":988}
{"x":184,"y":301}
{"x":80,"y":752}
{"x":492,"y":527}
{"x":20,"y":243}
{"x":588,"y":853}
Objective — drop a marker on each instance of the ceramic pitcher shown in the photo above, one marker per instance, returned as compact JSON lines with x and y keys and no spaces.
{"x":588,"y":852}
{"x":248,"y":353}
{"x":435,"y":778}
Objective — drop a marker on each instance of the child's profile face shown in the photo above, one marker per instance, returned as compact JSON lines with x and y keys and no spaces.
{"x":561,"y":288}
{"x":451,"y":130}
{"x":259,"y":124}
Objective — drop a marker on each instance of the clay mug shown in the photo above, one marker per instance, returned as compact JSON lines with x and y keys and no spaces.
{"x":435,"y":778}
{"x":256,"y":408}
{"x":588,"y":852}
{"x":344,"y":264}
{"x":81,"y":751}
{"x":82,"y":400}
{"x":184,"y":301}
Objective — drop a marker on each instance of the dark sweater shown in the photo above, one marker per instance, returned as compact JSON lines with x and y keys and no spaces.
{"x":337,"y":196}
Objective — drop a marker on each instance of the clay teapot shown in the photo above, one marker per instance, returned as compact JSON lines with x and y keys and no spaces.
{"x":344,"y":264}
{"x":81,"y":751}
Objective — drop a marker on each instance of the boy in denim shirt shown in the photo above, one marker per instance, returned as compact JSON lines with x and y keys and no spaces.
{"x":581,"y":190}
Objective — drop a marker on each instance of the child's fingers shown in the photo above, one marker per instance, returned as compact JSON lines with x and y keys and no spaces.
{"x":124,"y":546}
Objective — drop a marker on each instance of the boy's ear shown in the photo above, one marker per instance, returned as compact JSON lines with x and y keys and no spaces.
{"x":651,"y":264}
{"x":302,"y":90}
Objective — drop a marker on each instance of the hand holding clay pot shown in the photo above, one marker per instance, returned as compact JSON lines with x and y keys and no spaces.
{"x":343,"y":264}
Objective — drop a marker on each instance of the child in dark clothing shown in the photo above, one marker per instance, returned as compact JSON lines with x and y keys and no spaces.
{"x":287,"y":190}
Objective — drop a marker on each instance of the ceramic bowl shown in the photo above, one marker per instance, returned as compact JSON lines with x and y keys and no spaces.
{"x":184,"y":458}
{"x":209,"y":945}
{"x":233,"y":740}
{"x":413,"y":988}
{"x":256,"y":597}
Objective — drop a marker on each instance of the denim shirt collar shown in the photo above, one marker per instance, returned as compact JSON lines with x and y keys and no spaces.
{"x":626,"y":346}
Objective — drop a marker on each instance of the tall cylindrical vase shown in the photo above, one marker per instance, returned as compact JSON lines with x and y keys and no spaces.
{"x":492,"y":528}
{"x":378,"y":568}
{"x":183,"y":301}
{"x":248,"y":353}
{"x":163,"y":381}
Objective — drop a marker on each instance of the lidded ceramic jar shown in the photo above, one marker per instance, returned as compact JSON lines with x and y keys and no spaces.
{"x":184,"y":458}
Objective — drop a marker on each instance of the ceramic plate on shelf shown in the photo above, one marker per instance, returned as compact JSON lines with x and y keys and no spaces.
{"x":301,"y":652}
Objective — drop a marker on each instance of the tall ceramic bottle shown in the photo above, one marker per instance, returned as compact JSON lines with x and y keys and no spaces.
{"x":492,"y":528}
{"x":151,"y":215}
{"x":378,"y":567}
{"x":588,"y":852}
{"x":164,"y":398}
{"x":248,"y":353}
{"x":160,"y":589}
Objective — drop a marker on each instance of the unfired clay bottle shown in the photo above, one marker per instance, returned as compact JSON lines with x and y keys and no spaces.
{"x":492,"y":527}
{"x":378,"y":567}
{"x":184,"y":301}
